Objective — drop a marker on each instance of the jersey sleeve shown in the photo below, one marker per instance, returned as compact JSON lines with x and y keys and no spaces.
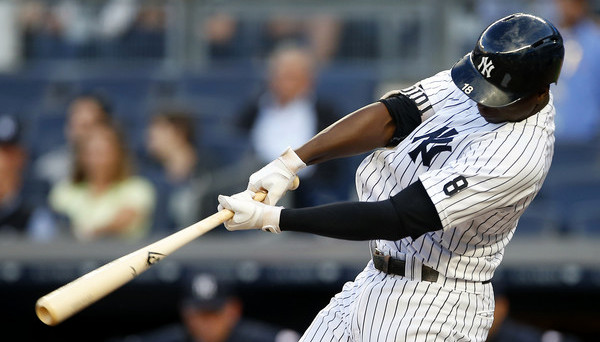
{"x":428,"y":94}
{"x":437,"y":89}
{"x":504,"y":173}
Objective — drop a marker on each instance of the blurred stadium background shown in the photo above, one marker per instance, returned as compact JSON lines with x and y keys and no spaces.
{"x":210,"y":56}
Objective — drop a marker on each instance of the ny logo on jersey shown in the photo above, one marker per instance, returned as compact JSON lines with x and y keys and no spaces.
{"x":486,"y":67}
{"x":441,"y":136}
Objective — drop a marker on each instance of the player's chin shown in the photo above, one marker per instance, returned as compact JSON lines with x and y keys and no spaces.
{"x":493,"y":120}
{"x":491,"y":115}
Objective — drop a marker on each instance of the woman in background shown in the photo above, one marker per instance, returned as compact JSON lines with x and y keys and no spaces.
{"x":103,"y":198}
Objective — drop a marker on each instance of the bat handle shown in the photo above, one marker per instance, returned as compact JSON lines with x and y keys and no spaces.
{"x":295,"y":184}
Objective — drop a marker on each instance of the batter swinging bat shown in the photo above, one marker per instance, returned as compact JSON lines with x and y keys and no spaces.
{"x":73,"y":297}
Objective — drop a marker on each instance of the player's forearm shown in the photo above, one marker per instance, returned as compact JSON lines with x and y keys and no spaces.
{"x":408,"y":213}
{"x":361,"y":131}
{"x":347,"y":220}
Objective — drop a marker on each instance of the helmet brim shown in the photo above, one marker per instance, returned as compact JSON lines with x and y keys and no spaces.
{"x":468,"y":79}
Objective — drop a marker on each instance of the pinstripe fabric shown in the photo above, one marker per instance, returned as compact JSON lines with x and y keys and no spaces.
{"x":504,"y":166}
{"x":480,"y":177}
{"x":381,"y":307}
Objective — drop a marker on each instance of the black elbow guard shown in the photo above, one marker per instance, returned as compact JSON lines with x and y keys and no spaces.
{"x":405,"y":114}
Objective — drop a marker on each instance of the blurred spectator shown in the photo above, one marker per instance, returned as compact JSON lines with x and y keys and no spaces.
{"x":102,"y":198}
{"x":131,"y":28}
{"x":146,"y":38}
{"x":227,"y":37}
{"x":85,"y":112}
{"x":506,"y":329}
{"x":75,"y":29}
{"x":18,"y":217}
{"x":577,"y":93}
{"x":177,"y":169}
{"x":319,"y":33}
{"x":573,"y":181}
{"x":171,"y":142}
{"x":77,"y":26}
{"x":115,"y":17}
{"x":10,"y":40}
{"x":292,"y":113}
{"x":59,"y":29}
{"x":222,"y":34}
{"x":41,"y":29}
{"x":212,"y":312}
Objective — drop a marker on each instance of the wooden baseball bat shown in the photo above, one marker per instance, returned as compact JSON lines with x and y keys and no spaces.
{"x":75,"y":296}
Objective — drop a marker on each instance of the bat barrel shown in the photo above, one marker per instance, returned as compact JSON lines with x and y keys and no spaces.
{"x":73,"y":297}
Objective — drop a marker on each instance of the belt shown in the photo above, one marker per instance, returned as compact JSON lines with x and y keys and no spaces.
{"x":387,"y":264}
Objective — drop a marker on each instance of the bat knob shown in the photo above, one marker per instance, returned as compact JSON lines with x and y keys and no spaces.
{"x":43,"y":313}
{"x":295,"y":184}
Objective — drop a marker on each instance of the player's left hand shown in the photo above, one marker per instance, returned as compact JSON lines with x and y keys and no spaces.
{"x":250,"y":214}
{"x":277,"y":177}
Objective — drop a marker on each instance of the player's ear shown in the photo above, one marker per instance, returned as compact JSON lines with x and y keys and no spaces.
{"x":541,"y":96}
{"x":543,"y":92}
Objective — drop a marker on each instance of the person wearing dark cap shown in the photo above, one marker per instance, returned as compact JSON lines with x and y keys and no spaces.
{"x":17,"y":216}
{"x":211,"y":311}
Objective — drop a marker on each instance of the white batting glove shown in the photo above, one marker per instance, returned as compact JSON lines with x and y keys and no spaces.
{"x":250,"y":214}
{"x":244,"y":195}
{"x":277,"y":177}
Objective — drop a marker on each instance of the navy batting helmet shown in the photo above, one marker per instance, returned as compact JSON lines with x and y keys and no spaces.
{"x":514,"y":57}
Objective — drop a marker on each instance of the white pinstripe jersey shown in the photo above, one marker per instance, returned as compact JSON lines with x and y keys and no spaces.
{"x":480,"y":176}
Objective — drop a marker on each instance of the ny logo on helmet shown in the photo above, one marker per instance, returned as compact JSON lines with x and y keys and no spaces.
{"x":486,"y":67}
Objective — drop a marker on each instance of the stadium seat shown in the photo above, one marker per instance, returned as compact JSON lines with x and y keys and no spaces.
{"x":348,"y":89}
{"x":541,"y":217}
{"x":224,"y":142}
{"x":573,"y":181}
{"x":585,"y":217}
{"x":46,"y":132}
{"x":218,"y":96}
{"x":20,"y":95}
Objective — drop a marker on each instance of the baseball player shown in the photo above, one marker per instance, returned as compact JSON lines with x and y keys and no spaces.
{"x":458,"y":157}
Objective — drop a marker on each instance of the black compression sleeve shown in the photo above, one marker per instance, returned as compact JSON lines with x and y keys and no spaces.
{"x":406,"y":116}
{"x":408,"y":213}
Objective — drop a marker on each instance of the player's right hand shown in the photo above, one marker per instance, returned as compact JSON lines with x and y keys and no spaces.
{"x":250,"y":214}
{"x":277,"y":177}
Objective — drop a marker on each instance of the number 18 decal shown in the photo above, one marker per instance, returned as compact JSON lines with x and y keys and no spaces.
{"x":467,"y":88}
{"x":457,"y":184}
